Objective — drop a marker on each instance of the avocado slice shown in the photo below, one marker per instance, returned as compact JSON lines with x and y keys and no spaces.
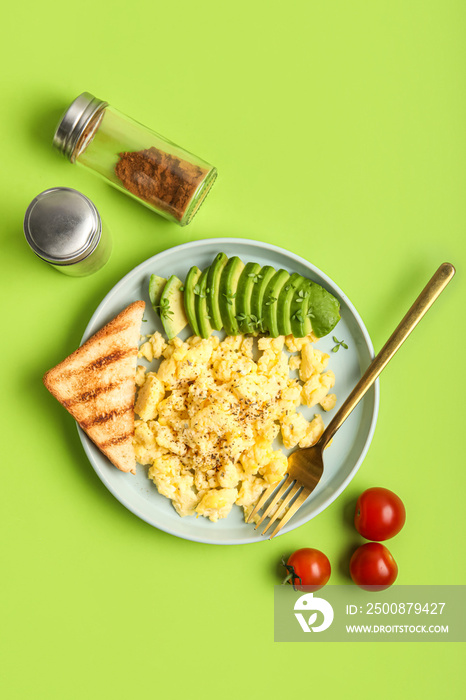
{"x":284,"y":303}
{"x":299,"y":319}
{"x":313,"y":309}
{"x":172,"y":311}
{"x":192,"y":279}
{"x":249,"y":277}
{"x":212,"y":291}
{"x":156,"y":285}
{"x":258,"y":291}
{"x":200,"y":304}
{"x":269,"y":302}
{"x":323,"y":310}
{"x":227,"y":294}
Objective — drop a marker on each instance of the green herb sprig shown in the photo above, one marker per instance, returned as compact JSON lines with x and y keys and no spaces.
{"x":339,"y":343}
{"x":163,"y":309}
{"x":229,"y":296}
{"x":300,"y":297}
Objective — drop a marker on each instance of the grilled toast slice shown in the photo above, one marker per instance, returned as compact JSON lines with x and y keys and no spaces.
{"x":96,"y":384}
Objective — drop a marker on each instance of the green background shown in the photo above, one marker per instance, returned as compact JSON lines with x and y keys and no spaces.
{"x":338,"y":130}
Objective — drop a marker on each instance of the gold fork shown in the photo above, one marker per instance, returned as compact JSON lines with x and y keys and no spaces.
{"x":306,"y":466}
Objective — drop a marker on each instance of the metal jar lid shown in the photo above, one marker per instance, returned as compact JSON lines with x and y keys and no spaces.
{"x":62,"y":226}
{"x":73,"y":124}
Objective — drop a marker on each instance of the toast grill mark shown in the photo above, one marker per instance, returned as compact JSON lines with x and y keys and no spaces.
{"x":111,"y":330}
{"x":101,"y":362}
{"x":117,"y":440}
{"x":104,"y":417}
{"x":89,"y":395}
{"x":98,"y":364}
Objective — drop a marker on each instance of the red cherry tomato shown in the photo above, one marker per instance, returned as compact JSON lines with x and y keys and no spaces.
{"x":372,"y":567}
{"x":308,"y":567}
{"x":380,"y":514}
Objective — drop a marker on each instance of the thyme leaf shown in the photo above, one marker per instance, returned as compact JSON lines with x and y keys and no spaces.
{"x":339,"y":343}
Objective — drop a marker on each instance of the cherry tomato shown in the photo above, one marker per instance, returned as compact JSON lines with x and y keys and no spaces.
{"x":308,"y":567}
{"x":380,"y":514}
{"x":372,"y":567}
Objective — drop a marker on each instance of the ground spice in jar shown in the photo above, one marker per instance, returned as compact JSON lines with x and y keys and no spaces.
{"x":159,"y":178}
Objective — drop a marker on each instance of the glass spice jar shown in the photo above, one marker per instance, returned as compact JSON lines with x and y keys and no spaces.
{"x":135,"y":159}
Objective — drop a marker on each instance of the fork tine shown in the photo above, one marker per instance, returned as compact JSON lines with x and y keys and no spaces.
{"x":288,"y":498}
{"x":265,"y":496}
{"x":293,"y":508}
{"x":277,"y":496}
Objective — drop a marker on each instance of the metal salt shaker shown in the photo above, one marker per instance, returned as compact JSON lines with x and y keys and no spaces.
{"x":64,"y":228}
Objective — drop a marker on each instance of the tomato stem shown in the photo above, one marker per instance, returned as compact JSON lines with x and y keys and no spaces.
{"x":292,"y":575}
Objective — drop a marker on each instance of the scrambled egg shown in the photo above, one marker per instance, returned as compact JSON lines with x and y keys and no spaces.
{"x":208,"y":416}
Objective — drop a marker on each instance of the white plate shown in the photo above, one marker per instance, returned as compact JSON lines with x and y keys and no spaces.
{"x":342,"y":458}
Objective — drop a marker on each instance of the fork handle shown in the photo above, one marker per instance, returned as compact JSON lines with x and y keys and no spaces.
{"x":426,"y":298}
